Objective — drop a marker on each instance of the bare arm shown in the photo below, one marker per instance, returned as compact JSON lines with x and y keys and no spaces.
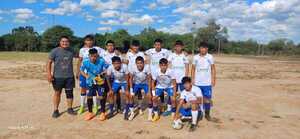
{"x":193,"y":74}
{"x":49,"y":70}
{"x":187,"y":69}
{"x":213,"y":74}
{"x":149,"y":83}
{"x":177,"y":116}
{"x":78,"y":67}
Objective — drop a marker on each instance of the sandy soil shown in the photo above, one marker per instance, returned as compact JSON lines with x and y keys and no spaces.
{"x":254,"y":98}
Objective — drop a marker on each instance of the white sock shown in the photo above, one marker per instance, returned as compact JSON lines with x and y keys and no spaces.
{"x":150,"y":111}
{"x":82,"y":100}
{"x":94,"y":100}
{"x":194,"y":117}
{"x":169,"y":107}
{"x":131,"y":109}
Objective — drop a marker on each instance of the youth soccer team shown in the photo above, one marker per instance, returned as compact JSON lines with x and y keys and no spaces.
{"x":159,"y":77}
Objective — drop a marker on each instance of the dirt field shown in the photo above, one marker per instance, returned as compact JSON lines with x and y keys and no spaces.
{"x":255,"y":98}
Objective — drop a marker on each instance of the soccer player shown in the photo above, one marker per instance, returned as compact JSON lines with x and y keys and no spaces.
{"x":93,"y":70}
{"x":84,"y":55}
{"x":189,"y":102}
{"x":204,"y":76}
{"x":63,"y":75}
{"x":180,"y":65}
{"x":140,"y":81}
{"x":163,"y":81}
{"x":119,"y":75}
{"x":110,"y":51}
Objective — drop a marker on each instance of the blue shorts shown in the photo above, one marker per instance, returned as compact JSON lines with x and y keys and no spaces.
{"x":185,"y":111}
{"x":82,"y":81}
{"x":118,"y":86}
{"x":160,"y":91}
{"x":139,"y":87}
{"x":180,"y":87}
{"x":100,"y":89}
{"x":206,"y":91}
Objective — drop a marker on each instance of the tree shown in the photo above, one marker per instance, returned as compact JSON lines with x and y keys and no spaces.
{"x":51,"y":36}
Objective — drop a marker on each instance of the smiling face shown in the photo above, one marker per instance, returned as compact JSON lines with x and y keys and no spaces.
{"x":178,"y":48}
{"x":110,"y":47}
{"x":203,"y":50}
{"x":134,"y":49}
{"x":157,"y":46}
{"x":64,"y":43}
{"x":187,"y":86}
{"x":117,"y":65}
{"x":163,"y":67}
{"x":140,"y":65}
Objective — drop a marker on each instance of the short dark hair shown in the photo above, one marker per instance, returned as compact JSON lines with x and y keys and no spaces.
{"x":203,"y":44}
{"x":109,"y":41}
{"x":186,"y":79}
{"x":179,"y":42}
{"x":139,"y":58}
{"x":135,"y":43}
{"x":64,"y":37}
{"x":89,"y":37}
{"x":163,"y":61}
{"x":115,"y":59}
{"x":93,"y":51}
{"x":158,"y":40}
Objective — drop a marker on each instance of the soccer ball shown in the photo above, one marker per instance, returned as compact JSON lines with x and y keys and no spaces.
{"x":177,"y":125}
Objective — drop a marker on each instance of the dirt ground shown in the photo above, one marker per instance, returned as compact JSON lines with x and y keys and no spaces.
{"x":255,"y":98}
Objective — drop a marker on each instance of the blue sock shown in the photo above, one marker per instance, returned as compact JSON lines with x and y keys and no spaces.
{"x":111,"y":107}
{"x":207,"y":106}
{"x":173,"y":109}
{"x":169,"y":101}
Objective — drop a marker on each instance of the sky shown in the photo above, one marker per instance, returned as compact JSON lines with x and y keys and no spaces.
{"x":262,"y":20}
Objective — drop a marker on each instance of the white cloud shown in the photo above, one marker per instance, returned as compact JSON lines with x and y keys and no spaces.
{"x":50,"y":1}
{"x":143,"y":20}
{"x":104,"y":5}
{"x":30,"y":1}
{"x":167,"y":2}
{"x":22,"y":15}
{"x":152,"y":6}
{"x":65,"y":8}
{"x":110,"y":22}
{"x":104,"y":29}
{"x":110,"y":13}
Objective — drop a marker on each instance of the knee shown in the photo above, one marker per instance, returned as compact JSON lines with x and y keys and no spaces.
{"x":69,"y":93}
{"x":195,"y":107}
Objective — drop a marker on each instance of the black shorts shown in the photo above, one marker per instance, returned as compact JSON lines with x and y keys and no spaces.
{"x":60,"y":83}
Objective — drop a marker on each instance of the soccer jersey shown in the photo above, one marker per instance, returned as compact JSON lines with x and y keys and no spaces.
{"x":155,"y":56}
{"x":203,"y":69}
{"x":93,"y":69}
{"x":140,"y":77}
{"x":131,"y":58}
{"x":178,"y":65}
{"x":84,"y":52}
{"x":191,"y":95}
{"x":163,"y":80}
{"x":118,"y":75}
{"x":107,"y":57}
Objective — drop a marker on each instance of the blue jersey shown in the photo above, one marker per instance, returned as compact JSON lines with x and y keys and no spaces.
{"x":93,"y":69}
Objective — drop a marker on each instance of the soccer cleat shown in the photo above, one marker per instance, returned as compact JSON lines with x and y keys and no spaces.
{"x":207,"y":117}
{"x":131,"y":116}
{"x":81,"y":110}
{"x":155,"y":118}
{"x":71,"y":111}
{"x":55,"y":114}
{"x":89,"y":116}
{"x":166,"y":113}
{"x":102,"y":116}
{"x":192,"y":127}
{"x":110,"y":115}
{"x":95,"y":109}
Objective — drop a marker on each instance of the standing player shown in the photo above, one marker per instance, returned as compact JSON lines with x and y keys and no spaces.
{"x":93,"y":70}
{"x":110,"y":51}
{"x":130,"y":59}
{"x":118,"y":74}
{"x":180,"y":65}
{"x":140,"y":81}
{"x":165,"y":82}
{"x":84,"y":55}
{"x":204,"y":76}
{"x":154,"y":55}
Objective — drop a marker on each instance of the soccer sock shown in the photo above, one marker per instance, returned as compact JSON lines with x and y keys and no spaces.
{"x":111,"y":107}
{"x":127,"y":108}
{"x":131,"y":107}
{"x":82,"y":99}
{"x":90,"y":104}
{"x":194,"y":116}
{"x":155,"y":109}
{"x":169,"y":107}
{"x":173,"y":109}
{"x":118,"y":101}
{"x":102,"y":103}
{"x":206,"y":106}
{"x":150,"y":108}
{"x":95,"y":100}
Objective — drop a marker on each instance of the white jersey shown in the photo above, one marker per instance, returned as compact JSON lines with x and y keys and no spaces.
{"x":191,"y":95}
{"x":118,"y":75}
{"x":140,"y":77}
{"x":131,"y":58}
{"x":163,"y":80}
{"x":107,"y":57}
{"x":203,"y":69}
{"x":84,"y":52}
{"x":178,"y":65}
{"x":155,"y":56}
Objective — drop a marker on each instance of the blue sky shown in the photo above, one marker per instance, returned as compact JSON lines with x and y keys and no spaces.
{"x":262,"y":20}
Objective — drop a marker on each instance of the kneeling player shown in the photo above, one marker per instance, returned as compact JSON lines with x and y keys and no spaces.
{"x":190,"y":99}
{"x":119,"y":75}
{"x":163,"y":81}
{"x":140,"y":81}
{"x":93,"y":70}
